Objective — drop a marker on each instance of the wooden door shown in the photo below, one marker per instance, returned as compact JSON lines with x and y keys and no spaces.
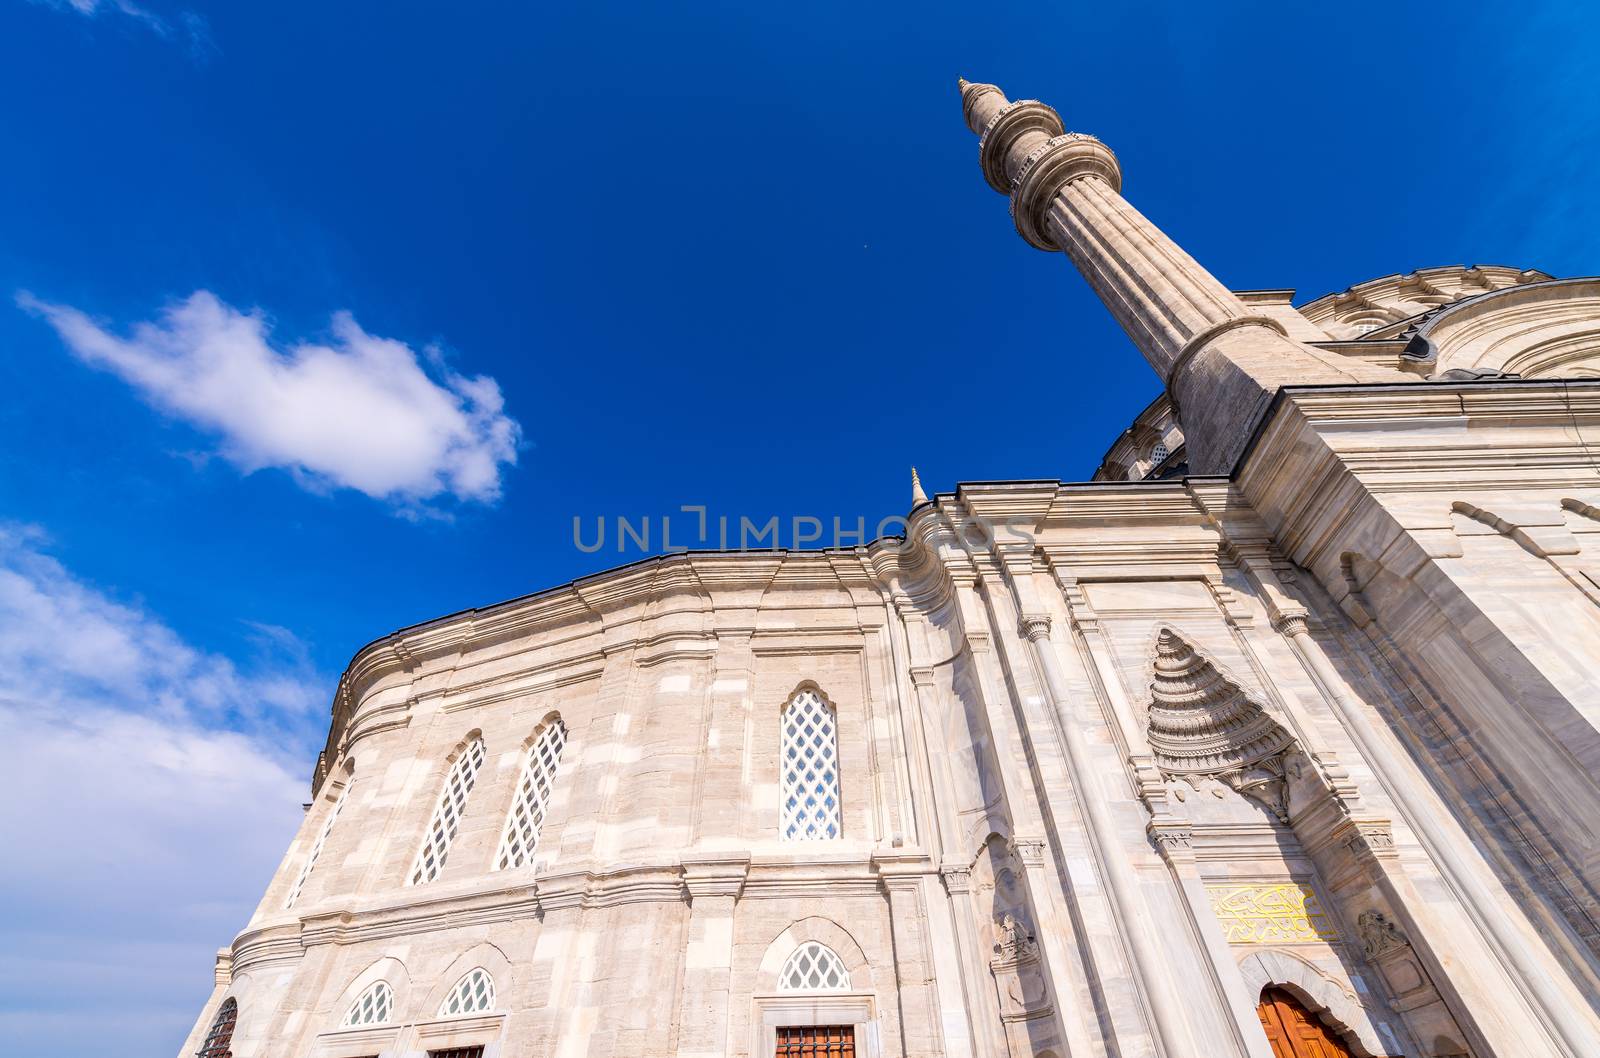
{"x":816,"y":1041}
{"x":1294,"y":1031}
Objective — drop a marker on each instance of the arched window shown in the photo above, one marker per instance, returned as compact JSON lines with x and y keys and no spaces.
{"x":373,"y":1007}
{"x":814,"y":968}
{"x":810,"y":762}
{"x":316,"y":846}
{"x":219,"y":1040}
{"x":1159,"y":454}
{"x":521,"y":835}
{"x":473,"y":994}
{"x":447,"y":817}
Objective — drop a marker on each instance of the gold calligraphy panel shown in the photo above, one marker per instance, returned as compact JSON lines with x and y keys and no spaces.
{"x":1270,"y":914}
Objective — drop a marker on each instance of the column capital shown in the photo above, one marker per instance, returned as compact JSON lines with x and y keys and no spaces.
{"x":1029,"y":850}
{"x":1174,"y":840}
{"x":1292,"y":623}
{"x":1034,"y":626}
{"x":957,"y":878}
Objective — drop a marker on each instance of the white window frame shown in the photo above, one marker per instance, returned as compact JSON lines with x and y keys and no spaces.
{"x":465,"y":989}
{"x":374,"y":1006}
{"x":316,"y":846}
{"x":446,"y":820}
{"x":811,"y":959}
{"x":811,"y":806}
{"x":520,"y":837}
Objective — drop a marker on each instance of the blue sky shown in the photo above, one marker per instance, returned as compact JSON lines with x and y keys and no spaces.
{"x":317,"y":320}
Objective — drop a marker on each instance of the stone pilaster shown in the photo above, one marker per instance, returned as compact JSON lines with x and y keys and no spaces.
{"x":721,"y":796}
{"x":714,"y":884}
{"x":902,"y":882}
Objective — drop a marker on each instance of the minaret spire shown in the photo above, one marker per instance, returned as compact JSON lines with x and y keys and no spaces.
{"x":918,"y":497}
{"x":1222,"y":362}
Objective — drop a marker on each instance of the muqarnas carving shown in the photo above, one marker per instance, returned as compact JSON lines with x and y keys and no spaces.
{"x":1202,"y":724}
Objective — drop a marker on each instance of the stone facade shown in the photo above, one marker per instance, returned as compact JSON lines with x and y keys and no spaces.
{"x":1070,"y":770}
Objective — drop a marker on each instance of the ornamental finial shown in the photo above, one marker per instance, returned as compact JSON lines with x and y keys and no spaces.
{"x":918,"y":497}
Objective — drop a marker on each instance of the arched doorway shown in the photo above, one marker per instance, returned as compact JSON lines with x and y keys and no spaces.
{"x":1294,"y":1031}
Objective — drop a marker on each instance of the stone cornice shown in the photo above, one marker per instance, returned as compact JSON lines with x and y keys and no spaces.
{"x":412,"y":910}
{"x":612,"y":604}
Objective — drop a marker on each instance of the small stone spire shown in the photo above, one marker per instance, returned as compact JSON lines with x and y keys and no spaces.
{"x":918,"y":497}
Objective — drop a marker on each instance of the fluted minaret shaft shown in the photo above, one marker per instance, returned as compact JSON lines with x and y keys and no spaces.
{"x":1221,"y":361}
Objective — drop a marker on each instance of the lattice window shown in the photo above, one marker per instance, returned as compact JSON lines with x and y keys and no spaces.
{"x":316,"y":846}
{"x":447,"y":817}
{"x":816,"y":1041}
{"x":813,"y":968}
{"x":521,"y":835}
{"x":473,"y":994}
{"x":810,"y":770}
{"x":219,"y":1040}
{"x":374,"y":1007}
{"x":1159,"y":453}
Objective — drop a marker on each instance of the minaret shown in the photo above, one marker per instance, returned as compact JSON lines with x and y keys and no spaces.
{"x":1222,"y":363}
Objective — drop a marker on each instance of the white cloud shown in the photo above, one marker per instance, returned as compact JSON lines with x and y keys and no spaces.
{"x":360,"y":412}
{"x":193,"y":29}
{"x":94,"y":8}
{"x":151,"y":788}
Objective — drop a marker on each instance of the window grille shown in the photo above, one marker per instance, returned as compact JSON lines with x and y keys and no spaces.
{"x":810,"y":770}
{"x":473,"y":994}
{"x":457,"y":1052}
{"x":374,"y":1007}
{"x":813,"y":968}
{"x":816,"y":1041}
{"x":316,"y":846}
{"x":219,"y":1040}
{"x":1159,"y":454}
{"x":521,"y":835}
{"x":447,"y":817}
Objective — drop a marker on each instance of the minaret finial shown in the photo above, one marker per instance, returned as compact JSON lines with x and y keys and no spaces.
{"x":918,"y":497}
{"x":980,"y":103}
